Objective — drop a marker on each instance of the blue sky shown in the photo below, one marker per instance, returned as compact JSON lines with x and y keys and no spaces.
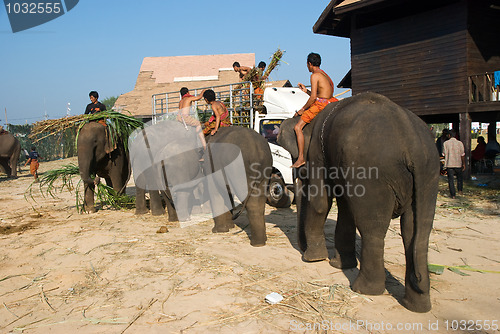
{"x":100,"y":45}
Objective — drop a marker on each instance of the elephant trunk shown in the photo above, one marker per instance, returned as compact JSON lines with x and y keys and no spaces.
{"x":86,"y":161}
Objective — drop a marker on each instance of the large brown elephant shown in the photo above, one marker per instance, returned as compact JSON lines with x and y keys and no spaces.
{"x":9,"y":154}
{"x":114,"y":167}
{"x":378,"y":161}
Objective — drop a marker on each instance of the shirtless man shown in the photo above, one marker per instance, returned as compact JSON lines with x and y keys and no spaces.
{"x":220,"y":117}
{"x":242,"y":70}
{"x":320,"y":95}
{"x":184,"y":109}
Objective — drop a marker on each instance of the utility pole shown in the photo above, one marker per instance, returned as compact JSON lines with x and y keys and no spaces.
{"x":6,"y":122}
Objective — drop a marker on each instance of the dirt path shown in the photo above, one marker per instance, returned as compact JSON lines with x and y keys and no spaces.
{"x":111,"y":272}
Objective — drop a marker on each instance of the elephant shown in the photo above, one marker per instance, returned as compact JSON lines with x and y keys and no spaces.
{"x":175,"y":155}
{"x":379,"y":161}
{"x":93,"y":159}
{"x":10,"y":149}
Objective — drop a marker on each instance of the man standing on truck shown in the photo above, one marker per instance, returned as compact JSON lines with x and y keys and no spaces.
{"x":320,"y":95}
{"x":242,"y":70}
{"x":185,"y":110}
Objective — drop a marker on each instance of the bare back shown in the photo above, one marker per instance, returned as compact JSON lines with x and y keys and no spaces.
{"x":185,"y":102}
{"x":323,"y":84}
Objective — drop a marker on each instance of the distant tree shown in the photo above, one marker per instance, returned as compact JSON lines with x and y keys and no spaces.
{"x":109,"y":102}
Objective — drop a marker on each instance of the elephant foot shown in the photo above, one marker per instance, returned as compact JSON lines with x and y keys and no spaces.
{"x":316,"y":254}
{"x":157,"y":212}
{"x":258,"y":241}
{"x":368,"y":287}
{"x":90,"y":210}
{"x":344,"y":260}
{"x":141,"y":211}
{"x":220,"y":229}
{"x":257,"y":244}
{"x":417,"y":302}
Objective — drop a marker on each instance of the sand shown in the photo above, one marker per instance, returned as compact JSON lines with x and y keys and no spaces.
{"x":111,"y":272}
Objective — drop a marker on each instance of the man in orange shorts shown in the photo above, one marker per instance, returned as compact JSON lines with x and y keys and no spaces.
{"x":33,"y":161}
{"x":320,"y":95}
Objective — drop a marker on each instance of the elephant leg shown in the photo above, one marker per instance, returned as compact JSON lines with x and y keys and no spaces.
{"x":140,"y":201}
{"x":172,"y":213}
{"x":88,"y":197}
{"x":256,"y":206}
{"x":6,"y":167}
{"x":300,"y":214}
{"x":223,"y":223}
{"x":182,"y":204}
{"x":316,"y":210}
{"x":109,"y":182}
{"x":155,"y":203}
{"x":345,"y":238}
{"x":115,"y":181}
{"x":13,"y":165}
{"x":416,"y":301}
{"x":372,"y":215}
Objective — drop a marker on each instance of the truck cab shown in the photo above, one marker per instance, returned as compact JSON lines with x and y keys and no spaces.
{"x":279,"y":104}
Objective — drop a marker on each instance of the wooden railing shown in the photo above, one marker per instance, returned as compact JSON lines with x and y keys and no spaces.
{"x":482,"y":88}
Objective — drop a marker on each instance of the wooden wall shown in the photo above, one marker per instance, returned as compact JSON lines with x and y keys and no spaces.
{"x":419,"y":61}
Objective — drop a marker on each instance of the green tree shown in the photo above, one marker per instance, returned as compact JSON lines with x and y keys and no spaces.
{"x":109,"y":102}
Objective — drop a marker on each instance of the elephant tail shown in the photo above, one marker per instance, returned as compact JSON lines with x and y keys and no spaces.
{"x":424,"y":203}
{"x":237,"y":214}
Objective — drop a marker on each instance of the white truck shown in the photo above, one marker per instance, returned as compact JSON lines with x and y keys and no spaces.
{"x":279,"y":104}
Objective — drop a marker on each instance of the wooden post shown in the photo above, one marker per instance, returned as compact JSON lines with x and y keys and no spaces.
{"x":465,"y":138}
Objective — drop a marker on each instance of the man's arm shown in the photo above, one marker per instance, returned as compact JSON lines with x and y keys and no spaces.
{"x":312,"y":95}
{"x":197,"y":97}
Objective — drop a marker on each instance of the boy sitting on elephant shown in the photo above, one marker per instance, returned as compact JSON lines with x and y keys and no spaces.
{"x":220,"y":118}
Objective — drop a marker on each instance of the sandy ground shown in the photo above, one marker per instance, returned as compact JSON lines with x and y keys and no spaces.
{"x":111,"y":272}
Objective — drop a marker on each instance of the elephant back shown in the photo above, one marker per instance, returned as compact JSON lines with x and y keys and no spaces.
{"x":8,"y":145}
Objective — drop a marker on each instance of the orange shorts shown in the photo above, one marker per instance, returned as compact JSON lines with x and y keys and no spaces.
{"x":315,"y":108}
{"x":34,"y":167}
{"x":258,"y":92}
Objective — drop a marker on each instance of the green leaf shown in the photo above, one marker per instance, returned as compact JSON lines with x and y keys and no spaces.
{"x":458,"y":271}
{"x":435,"y":268}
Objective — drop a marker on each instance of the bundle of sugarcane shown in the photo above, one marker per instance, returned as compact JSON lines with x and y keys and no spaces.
{"x":105,"y":195}
{"x":120,"y":125}
{"x":256,"y":77}
{"x":275,"y":59}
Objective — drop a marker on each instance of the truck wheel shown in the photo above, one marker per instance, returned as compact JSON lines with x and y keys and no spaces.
{"x":278,"y":194}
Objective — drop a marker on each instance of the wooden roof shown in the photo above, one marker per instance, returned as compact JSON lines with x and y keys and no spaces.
{"x":336,"y":18}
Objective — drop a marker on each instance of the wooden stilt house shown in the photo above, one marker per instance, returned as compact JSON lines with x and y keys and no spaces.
{"x":435,"y":57}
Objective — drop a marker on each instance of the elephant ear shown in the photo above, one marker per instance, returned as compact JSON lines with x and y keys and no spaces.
{"x":288,"y":139}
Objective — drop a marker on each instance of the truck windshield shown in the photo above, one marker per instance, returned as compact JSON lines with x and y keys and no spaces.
{"x":270,"y":128}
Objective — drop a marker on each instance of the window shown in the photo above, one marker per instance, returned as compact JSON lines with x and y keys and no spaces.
{"x":270,"y":128}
